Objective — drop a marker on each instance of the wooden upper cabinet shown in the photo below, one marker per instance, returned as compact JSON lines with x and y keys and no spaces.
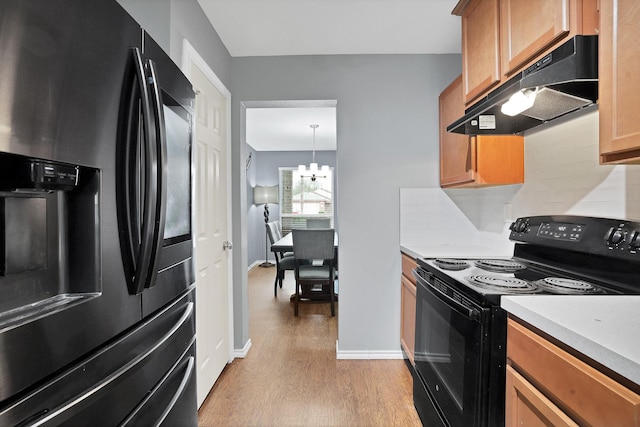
{"x":529,"y":27}
{"x":502,"y":37}
{"x":619,"y":81}
{"x":457,"y":161}
{"x":480,"y":47}
{"x":534,"y":27}
{"x":479,"y":160}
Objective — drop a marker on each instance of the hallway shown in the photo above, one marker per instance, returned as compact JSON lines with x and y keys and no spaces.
{"x":291,"y":377}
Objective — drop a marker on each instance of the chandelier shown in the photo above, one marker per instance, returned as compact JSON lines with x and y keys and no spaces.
{"x":313,"y":172}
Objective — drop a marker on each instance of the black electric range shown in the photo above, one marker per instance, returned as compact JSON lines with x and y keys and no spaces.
{"x":460,"y":350}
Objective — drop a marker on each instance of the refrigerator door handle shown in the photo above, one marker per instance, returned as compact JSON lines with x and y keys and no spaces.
{"x":160,"y":173}
{"x":140,"y":189}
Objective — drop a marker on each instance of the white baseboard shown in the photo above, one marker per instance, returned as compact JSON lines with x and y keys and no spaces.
{"x":242,"y":352}
{"x":369,"y":355}
{"x":255,"y":263}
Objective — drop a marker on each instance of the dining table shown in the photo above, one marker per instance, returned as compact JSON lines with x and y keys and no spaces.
{"x":286,"y":245}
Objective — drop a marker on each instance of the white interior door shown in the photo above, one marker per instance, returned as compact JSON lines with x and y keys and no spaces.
{"x":211,"y":252}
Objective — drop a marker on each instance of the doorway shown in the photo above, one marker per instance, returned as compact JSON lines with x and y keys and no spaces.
{"x":277,"y":135}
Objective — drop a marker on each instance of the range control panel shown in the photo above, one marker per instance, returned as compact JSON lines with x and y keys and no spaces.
{"x":602,"y":236}
{"x":561,"y":231}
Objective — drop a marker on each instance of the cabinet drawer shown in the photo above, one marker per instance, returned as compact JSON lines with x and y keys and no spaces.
{"x":408,"y":264}
{"x":526,"y":406}
{"x":582,"y":392}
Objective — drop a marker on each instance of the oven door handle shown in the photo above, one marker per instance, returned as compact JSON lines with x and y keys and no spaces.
{"x":469,"y":312}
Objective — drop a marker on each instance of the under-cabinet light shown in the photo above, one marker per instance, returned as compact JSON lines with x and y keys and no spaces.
{"x":519,"y":102}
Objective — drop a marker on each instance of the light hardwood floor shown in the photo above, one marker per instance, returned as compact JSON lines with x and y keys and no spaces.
{"x":291,"y":376}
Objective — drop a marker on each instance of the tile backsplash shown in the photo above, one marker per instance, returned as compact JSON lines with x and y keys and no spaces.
{"x":428,"y":216}
{"x":562,"y":176}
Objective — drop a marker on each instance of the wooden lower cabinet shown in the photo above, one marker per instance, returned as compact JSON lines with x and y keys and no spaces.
{"x":527,"y":406}
{"x":408,"y":307}
{"x":548,"y":386}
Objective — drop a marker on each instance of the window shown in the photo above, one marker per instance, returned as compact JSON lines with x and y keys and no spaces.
{"x":305,"y":203}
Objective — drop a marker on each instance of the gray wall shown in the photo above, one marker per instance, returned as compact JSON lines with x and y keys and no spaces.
{"x":265,"y":166}
{"x":387,"y":121}
{"x":171,"y":21}
{"x":154,"y":16}
{"x":188,"y":21}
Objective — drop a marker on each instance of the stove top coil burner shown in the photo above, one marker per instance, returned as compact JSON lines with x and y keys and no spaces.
{"x":500,"y":265}
{"x":561,"y":285}
{"x":506,"y":284}
{"x":451,"y":264}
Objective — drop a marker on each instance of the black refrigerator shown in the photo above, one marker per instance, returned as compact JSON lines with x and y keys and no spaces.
{"x":97,"y":294}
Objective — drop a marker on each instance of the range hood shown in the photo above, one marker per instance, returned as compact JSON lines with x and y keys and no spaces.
{"x":563,"y":81}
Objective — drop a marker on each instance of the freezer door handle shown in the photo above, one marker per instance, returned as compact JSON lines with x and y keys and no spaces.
{"x":157,"y":406}
{"x":65,"y":410}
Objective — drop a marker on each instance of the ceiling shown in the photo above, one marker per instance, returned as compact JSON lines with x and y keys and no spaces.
{"x":288,"y":129}
{"x":330,"y":27}
{"x":325,"y":27}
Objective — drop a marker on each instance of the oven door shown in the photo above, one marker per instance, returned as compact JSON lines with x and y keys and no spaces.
{"x":451,"y":352}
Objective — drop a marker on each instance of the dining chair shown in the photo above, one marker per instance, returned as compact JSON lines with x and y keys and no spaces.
{"x":314,"y":255}
{"x":278,"y":228}
{"x":284,"y":260}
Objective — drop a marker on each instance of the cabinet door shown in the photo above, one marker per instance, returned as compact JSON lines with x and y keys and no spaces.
{"x":408,"y":317}
{"x":619,"y":81}
{"x":529,"y":27}
{"x":499,"y":159}
{"x":526,"y":406}
{"x":457,"y":156}
{"x":480,"y":48}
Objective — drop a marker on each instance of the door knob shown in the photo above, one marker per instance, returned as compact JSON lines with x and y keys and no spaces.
{"x":227,"y":245}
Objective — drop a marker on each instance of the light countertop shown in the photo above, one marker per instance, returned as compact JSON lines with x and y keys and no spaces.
{"x":455,"y":251}
{"x":605,"y":328}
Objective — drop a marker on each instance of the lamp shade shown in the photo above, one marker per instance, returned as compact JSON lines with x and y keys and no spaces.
{"x":262,"y":195}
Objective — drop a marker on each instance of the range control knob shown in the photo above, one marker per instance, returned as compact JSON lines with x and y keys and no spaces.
{"x":634,"y":243}
{"x":615,"y":236}
{"x":519,"y":226}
